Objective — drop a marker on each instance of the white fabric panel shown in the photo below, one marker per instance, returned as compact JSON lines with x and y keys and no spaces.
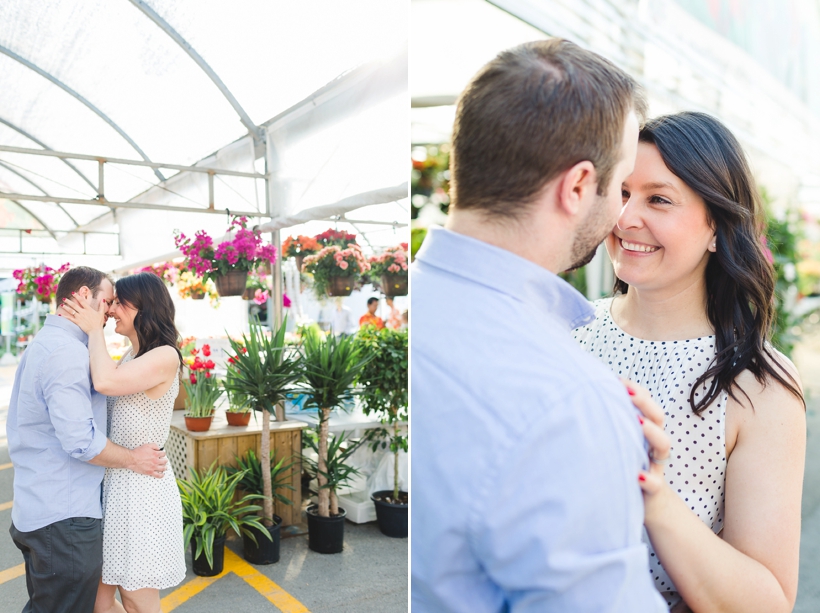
{"x":353,"y":140}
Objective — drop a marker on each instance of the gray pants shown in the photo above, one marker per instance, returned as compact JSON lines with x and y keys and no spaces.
{"x":63,"y":565}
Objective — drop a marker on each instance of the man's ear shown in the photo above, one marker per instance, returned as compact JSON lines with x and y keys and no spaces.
{"x":84,"y":292}
{"x":575,"y":187}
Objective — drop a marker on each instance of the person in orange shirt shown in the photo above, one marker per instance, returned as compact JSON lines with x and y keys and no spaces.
{"x":370,"y":318}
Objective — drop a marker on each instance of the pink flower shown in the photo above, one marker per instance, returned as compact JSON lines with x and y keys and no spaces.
{"x":343,"y":265}
{"x":286,"y":302}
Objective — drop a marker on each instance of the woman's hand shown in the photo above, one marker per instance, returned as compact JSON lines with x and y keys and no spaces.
{"x":652,"y":482}
{"x":79,"y":310}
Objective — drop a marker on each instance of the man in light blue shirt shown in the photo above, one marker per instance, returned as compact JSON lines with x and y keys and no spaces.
{"x":526,"y":450}
{"x":56,"y":431}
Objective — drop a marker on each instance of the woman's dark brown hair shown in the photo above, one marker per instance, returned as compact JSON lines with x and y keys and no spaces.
{"x":740,"y":281}
{"x":154,"y":321}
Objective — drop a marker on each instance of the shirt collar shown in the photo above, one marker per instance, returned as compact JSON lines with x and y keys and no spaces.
{"x":506,"y":272}
{"x":69,"y":326}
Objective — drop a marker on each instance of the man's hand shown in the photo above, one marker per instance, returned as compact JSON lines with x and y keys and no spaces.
{"x":149,"y":460}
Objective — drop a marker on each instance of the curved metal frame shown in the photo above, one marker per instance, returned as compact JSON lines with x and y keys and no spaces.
{"x":33,"y":139}
{"x":256,"y":132}
{"x":45,"y":193}
{"x":71,"y":92}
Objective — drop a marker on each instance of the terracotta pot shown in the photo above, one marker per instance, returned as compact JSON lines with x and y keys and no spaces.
{"x":394,"y":285}
{"x":238,"y":419}
{"x":341,"y":286}
{"x":198,"y":424}
{"x":197,"y":295}
{"x":232,"y":284}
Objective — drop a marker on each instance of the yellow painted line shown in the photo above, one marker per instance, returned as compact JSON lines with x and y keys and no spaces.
{"x":5,"y":466}
{"x":187,"y":591}
{"x":233,"y":563}
{"x":262,"y":584}
{"x":12,"y":573}
{"x":6,"y":505}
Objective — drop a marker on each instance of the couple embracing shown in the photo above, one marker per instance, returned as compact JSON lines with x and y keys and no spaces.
{"x":541,"y":481}
{"x":96,"y":505}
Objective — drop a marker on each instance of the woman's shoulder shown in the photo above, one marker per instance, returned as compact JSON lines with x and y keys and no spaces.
{"x":164,"y":354}
{"x":772,"y":402}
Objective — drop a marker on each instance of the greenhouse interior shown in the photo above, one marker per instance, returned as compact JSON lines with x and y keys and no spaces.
{"x":252,"y":156}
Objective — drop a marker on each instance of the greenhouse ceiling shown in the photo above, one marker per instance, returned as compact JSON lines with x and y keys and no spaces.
{"x":158,"y":81}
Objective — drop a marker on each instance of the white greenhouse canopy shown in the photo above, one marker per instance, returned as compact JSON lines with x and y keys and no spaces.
{"x":305,"y":103}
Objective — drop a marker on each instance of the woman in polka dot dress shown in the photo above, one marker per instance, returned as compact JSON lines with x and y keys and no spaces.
{"x":692,"y":310}
{"x":143,"y":548}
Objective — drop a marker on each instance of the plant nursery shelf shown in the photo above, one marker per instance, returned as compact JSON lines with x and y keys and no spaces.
{"x":222,"y":443}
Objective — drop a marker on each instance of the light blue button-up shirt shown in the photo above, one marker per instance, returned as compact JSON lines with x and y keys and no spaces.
{"x":526,"y":450}
{"x":56,"y":423}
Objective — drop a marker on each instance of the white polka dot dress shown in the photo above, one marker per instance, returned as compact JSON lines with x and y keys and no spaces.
{"x":668,"y":369}
{"x":142,"y":516}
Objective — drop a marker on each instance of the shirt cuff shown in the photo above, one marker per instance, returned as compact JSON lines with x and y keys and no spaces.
{"x":94,"y":449}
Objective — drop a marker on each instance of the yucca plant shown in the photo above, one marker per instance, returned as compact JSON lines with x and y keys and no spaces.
{"x":337,"y":472}
{"x":202,"y":396}
{"x":251,"y":480}
{"x":208,"y":509}
{"x":265,"y":370}
{"x":331,"y":367}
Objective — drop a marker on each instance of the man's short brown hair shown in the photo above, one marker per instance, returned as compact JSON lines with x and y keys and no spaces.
{"x":77,"y":277}
{"x":533,"y":112}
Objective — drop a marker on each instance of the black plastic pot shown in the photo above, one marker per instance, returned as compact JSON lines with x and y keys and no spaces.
{"x":264,"y":551}
{"x":392,"y":518}
{"x":326,"y":534}
{"x":201,"y":566}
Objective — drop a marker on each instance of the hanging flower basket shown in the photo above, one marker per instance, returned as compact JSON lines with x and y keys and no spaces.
{"x":394,"y":285}
{"x":300,"y":259}
{"x":231,"y":283}
{"x":197,"y":295}
{"x":340,"y":286}
{"x":248,"y":293}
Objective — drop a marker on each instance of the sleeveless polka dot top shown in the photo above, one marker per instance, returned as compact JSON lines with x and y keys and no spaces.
{"x":668,"y":369}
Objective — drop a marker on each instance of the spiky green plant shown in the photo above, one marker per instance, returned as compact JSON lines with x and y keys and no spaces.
{"x":251,"y":481}
{"x":208,"y":509}
{"x":265,"y":370}
{"x":331,"y":367}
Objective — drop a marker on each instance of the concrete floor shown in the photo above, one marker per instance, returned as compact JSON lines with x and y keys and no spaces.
{"x":369,"y":576}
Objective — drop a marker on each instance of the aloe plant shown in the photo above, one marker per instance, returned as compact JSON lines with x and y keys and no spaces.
{"x":265,"y":370}
{"x":331,"y":367}
{"x":208,"y":509}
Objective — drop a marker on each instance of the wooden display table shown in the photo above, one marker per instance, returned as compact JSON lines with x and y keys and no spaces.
{"x":223,"y":443}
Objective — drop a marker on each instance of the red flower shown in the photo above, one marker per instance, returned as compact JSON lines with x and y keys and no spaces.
{"x":207,"y":375}
{"x":195,"y":351}
{"x":232,"y":360}
{"x":193,"y":378}
{"x":209,"y":364}
{"x":206,"y":351}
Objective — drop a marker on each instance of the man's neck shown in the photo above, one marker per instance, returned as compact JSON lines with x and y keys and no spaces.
{"x":524,"y":237}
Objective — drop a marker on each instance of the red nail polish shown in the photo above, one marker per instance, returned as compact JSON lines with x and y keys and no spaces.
{"x":641,"y":478}
{"x":630,"y":391}
{"x":640,"y":419}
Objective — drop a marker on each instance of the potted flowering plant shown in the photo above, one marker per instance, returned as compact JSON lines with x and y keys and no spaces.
{"x":256,"y":287}
{"x":391,"y":268}
{"x":239,"y":405}
{"x":336,"y":270}
{"x":203,"y":394}
{"x":167,"y":271}
{"x":230,"y":261}
{"x":335,"y":237}
{"x":299,"y":247}
{"x":191,"y":286}
{"x":195,"y":364}
{"x":39,"y":281}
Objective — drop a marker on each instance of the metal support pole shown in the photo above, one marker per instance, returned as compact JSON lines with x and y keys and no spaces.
{"x":211,"y":191}
{"x":101,"y":182}
{"x":276,"y":298}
